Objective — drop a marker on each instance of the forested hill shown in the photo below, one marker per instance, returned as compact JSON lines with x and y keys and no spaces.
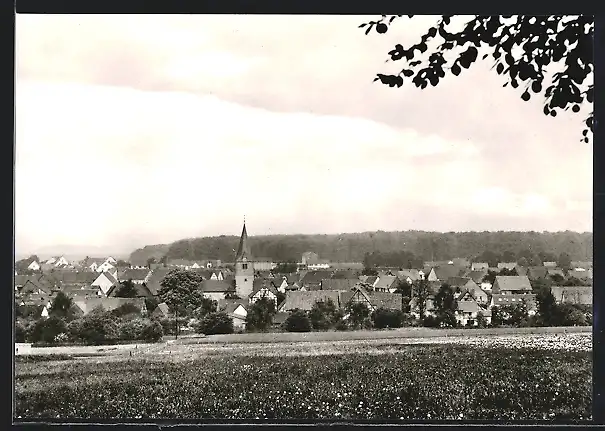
{"x":352,"y":247}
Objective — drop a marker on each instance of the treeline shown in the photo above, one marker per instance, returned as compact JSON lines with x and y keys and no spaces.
{"x":353,"y":247}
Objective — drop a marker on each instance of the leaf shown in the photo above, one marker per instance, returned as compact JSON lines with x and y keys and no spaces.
{"x":499,"y":68}
{"x":368,"y":30}
{"x":407,"y":73}
{"x":362,"y":25}
{"x":484,"y":56}
{"x":536,"y":86}
{"x":575,"y":108}
{"x":455,"y":69}
{"x":415,"y":63}
{"x":525,"y":96}
{"x":381,"y":28}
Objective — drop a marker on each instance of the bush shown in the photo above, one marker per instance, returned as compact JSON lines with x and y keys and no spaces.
{"x":341,"y":325}
{"x":169,"y":324}
{"x":152,"y":331}
{"x":47,"y":329}
{"x":126,"y":309}
{"x":94,"y":328}
{"x":132,"y":329}
{"x":383,"y":318}
{"x":431,"y":322}
{"x":215,"y":323}
{"x":20,"y":332}
{"x":298,"y":321}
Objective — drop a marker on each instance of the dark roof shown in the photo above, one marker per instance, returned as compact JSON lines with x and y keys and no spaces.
{"x":90,"y":303}
{"x":155,"y":278}
{"x":243,"y":249}
{"x":338,"y":284}
{"x":371,"y":279}
{"x":511,"y":283}
{"x":444,"y":272}
{"x":305,"y":300}
{"x":458,"y":281}
{"x":215,"y":286}
{"x":386,"y":282}
{"x":315,"y":276}
{"x":477,"y":276}
{"x":133,"y":274}
{"x":537,"y":272}
{"x":231,"y":304}
{"x":345,"y":274}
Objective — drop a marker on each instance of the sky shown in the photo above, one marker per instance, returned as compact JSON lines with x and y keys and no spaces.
{"x":145,"y":129}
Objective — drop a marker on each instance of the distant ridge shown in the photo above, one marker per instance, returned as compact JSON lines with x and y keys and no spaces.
{"x":352,"y":247}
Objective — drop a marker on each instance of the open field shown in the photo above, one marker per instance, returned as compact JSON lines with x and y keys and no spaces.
{"x":492,"y":377}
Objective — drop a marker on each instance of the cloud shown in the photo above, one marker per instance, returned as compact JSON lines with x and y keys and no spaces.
{"x":159,"y":127}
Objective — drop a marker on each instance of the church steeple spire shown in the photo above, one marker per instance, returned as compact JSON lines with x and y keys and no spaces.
{"x":244,"y":249}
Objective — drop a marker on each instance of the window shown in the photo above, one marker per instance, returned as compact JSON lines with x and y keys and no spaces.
{"x":245,"y":280}
{"x":244,"y":266}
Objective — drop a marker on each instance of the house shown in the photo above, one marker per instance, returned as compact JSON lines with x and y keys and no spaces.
{"x":555,"y":271}
{"x":478,"y":276}
{"x":75,"y":291}
{"x":370,"y":280}
{"x":324,"y":264}
{"x":162,"y":311}
{"x":476,"y":266}
{"x":340,"y":284}
{"x":372,"y":299}
{"x":59,"y":278}
{"x":105,"y":282}
{"x":444,"y":272}
{"x":137,"y":276}
{"x":572,"y":294}
{"x":512,"y":284}
{"x":86,"y":305}
{"x":153,"y":281}
{"x":549,"y":264}
{"x":463,"y":285}
{"x":58,"y":262}
{"x":386,"y":283}
{"x":506,"y":265}
{"x":581,"y":265}
{"x":312,"y":279}
{"x":305,"y":300}
{"x":408,"y":275}
{"x":106,"y":266}
{"x":263,"y":289}
{"x":499,"y":300}
{"x":345,"y":274}
{"x":236,"y":309}
{"x":469,"y":308}
{"x":580,"y":274}
{"x":263,"y":264}
{"x":34,"y":265}
{"x":216,"y":289}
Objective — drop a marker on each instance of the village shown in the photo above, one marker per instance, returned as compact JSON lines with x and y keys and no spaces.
{"x":478,"y":288}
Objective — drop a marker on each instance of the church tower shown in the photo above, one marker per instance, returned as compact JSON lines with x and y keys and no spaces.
{"x":244,"y":267}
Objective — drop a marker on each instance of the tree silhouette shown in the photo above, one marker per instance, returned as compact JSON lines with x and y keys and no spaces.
{"x":523,"y":48}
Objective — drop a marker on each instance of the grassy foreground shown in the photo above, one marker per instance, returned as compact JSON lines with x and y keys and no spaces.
{"x":411,"y":382}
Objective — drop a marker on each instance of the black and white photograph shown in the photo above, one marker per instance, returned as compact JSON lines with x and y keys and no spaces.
{"x":271,"y":218}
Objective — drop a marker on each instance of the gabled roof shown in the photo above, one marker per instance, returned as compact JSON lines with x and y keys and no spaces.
{"x":582,"y":275}
{"x":511,"y":283}
{"x":258,"y":285}
{"x":413,"y":274}
{"x":371,"y":279}
{"x":306,"y":300}
{"x":133,"y":274}
{"x":338,"y":284}
{"x":458,"y":281}
{"x":386,"y":282}
{"x":477,"y":276}
{"x":214,"y":286}
{"x":315,"y":276}
{"x":553,"y":271}
{"x":579,"y":264}
{"x":507,"y":265}
{"x":231,"y":304}
{"x":479,"y":265}
{"x":446,"y":271}
{"x":109,"y":304}
{"x":154,"y":279}
{"x":345,"y":274}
